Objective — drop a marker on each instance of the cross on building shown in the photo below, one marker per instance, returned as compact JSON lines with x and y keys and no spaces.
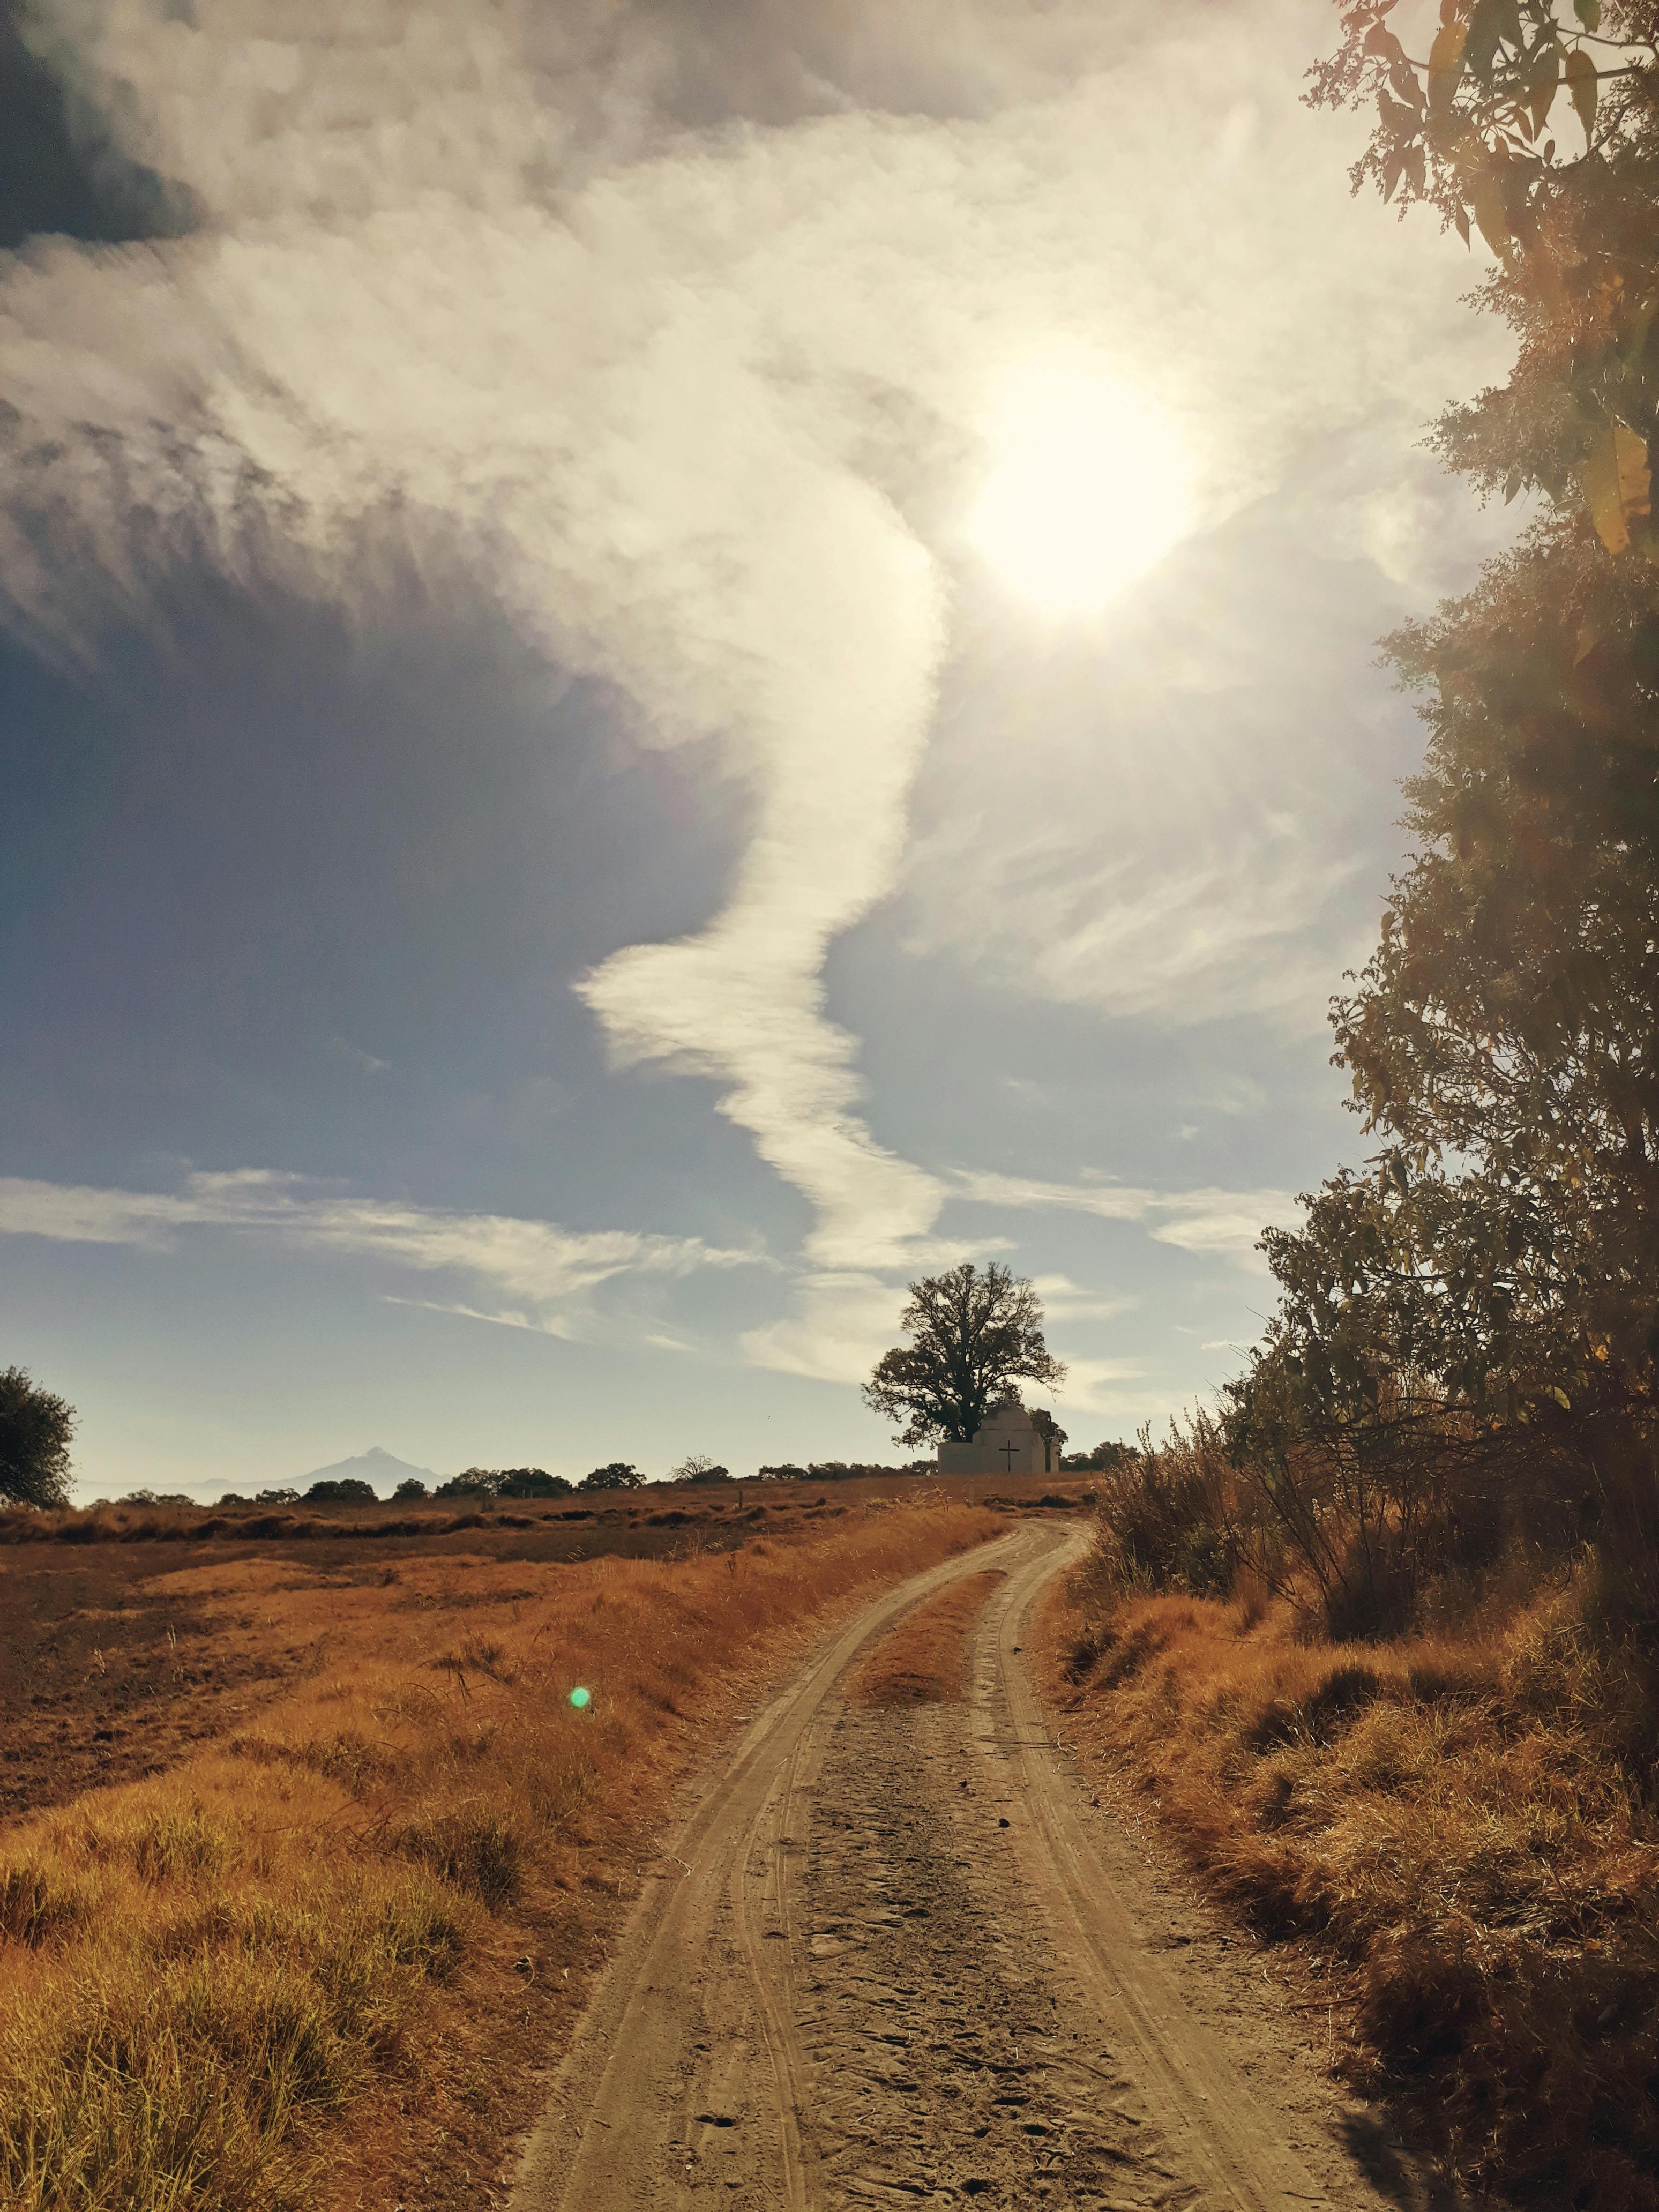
{"x":1007,"y":1452}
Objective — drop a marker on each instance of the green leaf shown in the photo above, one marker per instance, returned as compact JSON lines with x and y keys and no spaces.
{"x":1486,"y":204}
{"x":1402,"y":122}
{"x":1543,"y":86}
{"x":1589,"y":13}
{"x":1404,"y":81}
{"x":1583,"y":84}
{"x":1480,"y":49}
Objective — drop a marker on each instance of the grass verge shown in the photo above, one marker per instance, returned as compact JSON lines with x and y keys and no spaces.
{"x":1456,"y":1830}
{"x":319,"y":1964}
{"x":924,"y":1660}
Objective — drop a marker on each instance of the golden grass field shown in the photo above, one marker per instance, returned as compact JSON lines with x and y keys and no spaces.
{"x":324,"y":1956}
{"x":1454,"y":1832}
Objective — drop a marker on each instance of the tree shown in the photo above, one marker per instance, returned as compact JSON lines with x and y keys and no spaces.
{"x":1538,"y":122}
{"x":977,"y":1337}
{"x":1492,"y":1272}
{"x":277,"y":1497}
{"x":696,"y":1468}
{"x":618,"y":1474}
{"x":472,"y":1482}
{"x":1101,"y":1460}
{"x":411,"y":1488}
{"x":341,"y":1490}
{"x":35,"y":1429}
{"x":1053,"y":1436}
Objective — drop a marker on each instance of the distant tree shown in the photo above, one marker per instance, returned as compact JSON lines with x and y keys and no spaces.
{"x":138,"y":1498}
{"x":411,"y":1487}
{"x":1101,"y":1460}
{"x":277,"y":1497}
{"x":976,"y":1339}
{"x":35,"y":1428}
{"x":531,"y":1482}
{"x":617,"y":1476}
{"x":173,"y":1498}
{"x":232,"y":1497}
{"x":472,"y":1482}
{"x":341,"y":1490}
{"x":1053,"y":1436}
{"x":696,"y":1468}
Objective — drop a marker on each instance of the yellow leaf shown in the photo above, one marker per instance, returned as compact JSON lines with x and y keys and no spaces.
{"x":1617,"y":484}
{"x":1561,"y":1399}
{"x":1445,"y":65}
{"x":1582,"y":83}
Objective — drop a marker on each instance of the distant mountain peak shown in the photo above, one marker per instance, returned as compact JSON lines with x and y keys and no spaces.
{"x":376,"y":1465}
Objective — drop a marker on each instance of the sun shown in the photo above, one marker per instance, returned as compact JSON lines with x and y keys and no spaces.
{"x":1090,"y":485}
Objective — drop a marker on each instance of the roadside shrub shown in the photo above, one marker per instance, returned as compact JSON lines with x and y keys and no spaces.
{"x":1167,"y":1520}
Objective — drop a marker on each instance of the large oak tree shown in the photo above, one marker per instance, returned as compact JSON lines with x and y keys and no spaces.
{"x":974,"y":1339}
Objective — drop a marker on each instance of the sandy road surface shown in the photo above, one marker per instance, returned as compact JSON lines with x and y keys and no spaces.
{"x":895,"y":1956}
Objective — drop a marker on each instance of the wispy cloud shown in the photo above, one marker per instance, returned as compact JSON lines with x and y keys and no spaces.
{"x":1208,"y":1220}
{"x":553,"y":1271}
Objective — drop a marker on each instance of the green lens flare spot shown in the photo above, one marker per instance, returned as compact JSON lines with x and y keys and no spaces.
{"x":579,"y":1698}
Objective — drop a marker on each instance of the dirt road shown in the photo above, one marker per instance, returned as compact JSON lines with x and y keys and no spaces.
{"x":896,"y":1956}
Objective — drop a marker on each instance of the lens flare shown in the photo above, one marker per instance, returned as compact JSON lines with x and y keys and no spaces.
{"x":579,"y":1698}
{"x":1090,"y":485}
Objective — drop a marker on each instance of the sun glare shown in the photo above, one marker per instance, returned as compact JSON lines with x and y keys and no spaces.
{"x":1089,"y":487}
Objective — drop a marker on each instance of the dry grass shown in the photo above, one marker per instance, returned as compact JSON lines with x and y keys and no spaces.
{"x":924,"y":1662}
{"x":1458,"y":1828}
{"x":378,"y":1900}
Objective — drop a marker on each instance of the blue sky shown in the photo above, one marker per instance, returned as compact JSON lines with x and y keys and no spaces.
{"x":545,"y":872}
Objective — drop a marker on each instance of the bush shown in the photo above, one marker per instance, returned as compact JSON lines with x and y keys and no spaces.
{"x":696,"y":1468}
{"x":1168,"y":1520}
{"x":35,"y":1428}
{"x":533,"y":1482}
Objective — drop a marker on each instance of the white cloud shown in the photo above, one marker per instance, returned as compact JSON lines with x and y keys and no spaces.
{"x":838,"y":1326}
{"x":709,"y":407}
{"x":1098,"y":1386}
{"x":1063,"y":1301}
{"x":554,"y":1271}
{"x":1208,"y":1220}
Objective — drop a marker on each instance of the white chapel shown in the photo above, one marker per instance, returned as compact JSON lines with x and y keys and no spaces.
{"x":1007,"y":1444}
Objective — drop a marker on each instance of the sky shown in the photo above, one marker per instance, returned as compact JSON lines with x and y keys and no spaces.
{"x":662,"y":665}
